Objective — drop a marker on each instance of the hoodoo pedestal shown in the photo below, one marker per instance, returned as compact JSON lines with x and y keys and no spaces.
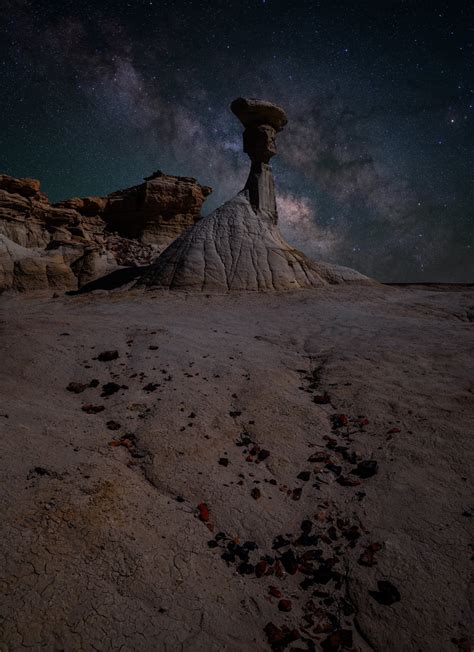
{"x":239,"y":247}
{"x":262,"y":121}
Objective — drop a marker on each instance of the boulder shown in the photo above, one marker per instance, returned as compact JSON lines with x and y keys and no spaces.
{"x":27,"y":270}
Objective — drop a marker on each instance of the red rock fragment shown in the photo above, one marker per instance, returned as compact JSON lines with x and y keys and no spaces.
{"x":339,"y":420}
{"x":392,"y":431}
{"x":280,"y":637}
{"x":261,"y":568}
{"x":345,"y":481}
{"x":342,"y":638}
{"x":203,"y":510}
{"x":274,"y":592}
{"x":285,"y":605}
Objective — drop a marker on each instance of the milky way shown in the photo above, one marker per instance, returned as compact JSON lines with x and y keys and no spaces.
{"x":375,"y":167}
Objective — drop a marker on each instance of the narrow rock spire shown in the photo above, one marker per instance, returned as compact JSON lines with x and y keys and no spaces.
{"x":262,"y":121}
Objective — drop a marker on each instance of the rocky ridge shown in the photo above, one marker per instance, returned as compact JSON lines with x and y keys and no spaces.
{"x":67,"y":244}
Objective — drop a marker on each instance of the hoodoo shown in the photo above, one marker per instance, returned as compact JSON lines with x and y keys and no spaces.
{"x":239,"y":246}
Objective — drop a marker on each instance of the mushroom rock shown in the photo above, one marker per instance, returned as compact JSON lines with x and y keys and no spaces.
{"x":239,"y":246}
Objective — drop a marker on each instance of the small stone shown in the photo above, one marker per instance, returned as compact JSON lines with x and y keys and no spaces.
{"x":306,"y":526}
{"x":255,"y":493}
{"x":261,"y":568}
{"x":223,"y":461}
{"x":345,"y":481}
{"x":113,"y":425}
{"x":339,"y":421}
{"x":285,"y":605}
{"x":296,"y":494}
{"x":304,"y":475}
{"x":203,"y":510}
{"x":76,"y":388}
{"x":387,"y":593}
{"x":366,"y":469}
{"x":151,"y":387}
{"x":110,"y":388}
{"x":322,"y":399}
{"x":92,"y":409}
{"x":289,"y":561}
{"x":263,"y":454}
{"x":94,"y":383}
{"x":107,"y":356}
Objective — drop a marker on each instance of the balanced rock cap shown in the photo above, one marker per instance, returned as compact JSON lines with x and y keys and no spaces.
{"x":253,"y":112}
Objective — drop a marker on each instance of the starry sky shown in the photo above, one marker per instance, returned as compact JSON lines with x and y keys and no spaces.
{"x":375,"y":167}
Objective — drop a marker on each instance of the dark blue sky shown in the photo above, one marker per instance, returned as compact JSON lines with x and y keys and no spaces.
{"x":375,"y":168}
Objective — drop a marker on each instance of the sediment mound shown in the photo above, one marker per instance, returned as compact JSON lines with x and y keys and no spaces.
{"x":237,"y":248}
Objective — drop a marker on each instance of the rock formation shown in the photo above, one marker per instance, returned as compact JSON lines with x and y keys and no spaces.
{"x":239,"y":246}
{"x":90,"y":236}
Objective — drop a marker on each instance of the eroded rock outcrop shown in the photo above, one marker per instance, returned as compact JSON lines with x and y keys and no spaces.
{"x":239,"y":246}
{"x":156,"y":211}
{"x":91,"y":235}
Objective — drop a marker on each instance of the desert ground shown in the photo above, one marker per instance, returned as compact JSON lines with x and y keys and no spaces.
{"x":238,"y":472}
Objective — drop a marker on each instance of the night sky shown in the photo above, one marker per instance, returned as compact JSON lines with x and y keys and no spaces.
{"x":375,"y":168}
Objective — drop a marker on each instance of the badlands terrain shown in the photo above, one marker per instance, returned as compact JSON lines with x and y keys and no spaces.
{"x":237,"y":472}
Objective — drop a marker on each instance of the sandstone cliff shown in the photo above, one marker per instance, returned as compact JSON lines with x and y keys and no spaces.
{"x":90,"y":236}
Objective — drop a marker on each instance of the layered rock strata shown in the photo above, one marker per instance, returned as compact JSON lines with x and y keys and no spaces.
{"x":90,"y":236}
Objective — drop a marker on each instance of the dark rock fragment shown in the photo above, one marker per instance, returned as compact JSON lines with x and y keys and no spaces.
{"x":246,"y":569}
{"x":92,"y":409}
{"x":366,"y":469}
{"x":109,"y":388}
{"x":322,"y":399}
{"x":151,"y":387}
{"x":285,"y":605}
{"x":387,"y":593}
{"x":107,"y":356}
{"x":76,"y":388}
{"x":289,"y":561}
{"x":113,"y":425}
{"x":304,"y":475}
{"x":280,"y":542}
{"x":339,"y":421}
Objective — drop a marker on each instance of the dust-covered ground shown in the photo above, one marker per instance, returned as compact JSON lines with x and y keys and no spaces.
{"x":248,"y":472}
